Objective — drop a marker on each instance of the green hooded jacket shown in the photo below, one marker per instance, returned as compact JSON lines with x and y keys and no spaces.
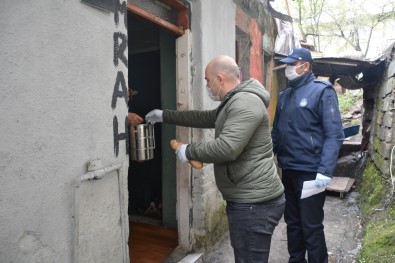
{"x":242,"y":152}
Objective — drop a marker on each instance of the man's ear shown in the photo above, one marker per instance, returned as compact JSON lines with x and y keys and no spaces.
{"x":308,"y":67}
{"x":220,"y":78}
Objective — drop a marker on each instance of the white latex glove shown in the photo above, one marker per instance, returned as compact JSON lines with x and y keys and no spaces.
{"x":154,"y":116}
{"x":181,"y":153}
{"x":322,"y":180}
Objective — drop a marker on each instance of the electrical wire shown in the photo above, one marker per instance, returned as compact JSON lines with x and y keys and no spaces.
{"x":392,"y":177}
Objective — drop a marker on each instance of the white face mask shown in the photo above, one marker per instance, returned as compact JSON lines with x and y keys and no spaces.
{"x":210,"y":94}
{"x":290,"y":72}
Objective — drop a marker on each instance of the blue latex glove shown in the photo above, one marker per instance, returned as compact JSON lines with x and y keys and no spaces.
{"x":154,"y":116}
{"x":322,"y":180}
{"x":181,"y":153}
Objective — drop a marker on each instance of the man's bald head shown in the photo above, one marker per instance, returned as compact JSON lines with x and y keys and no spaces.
{"x":223,"y":65}
{"x":222,"y":75}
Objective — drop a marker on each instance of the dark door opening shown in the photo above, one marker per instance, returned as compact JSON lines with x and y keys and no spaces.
{"x":152,"y":183}
{"x":145,"y":177}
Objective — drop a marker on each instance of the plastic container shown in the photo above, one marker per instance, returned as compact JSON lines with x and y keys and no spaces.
{"x":350,"y":131}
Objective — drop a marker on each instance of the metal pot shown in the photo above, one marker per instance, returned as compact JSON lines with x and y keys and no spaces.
{"x":142,"y":142}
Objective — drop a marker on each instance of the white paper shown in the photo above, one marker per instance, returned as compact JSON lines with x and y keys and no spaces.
{"x":310,"y":189}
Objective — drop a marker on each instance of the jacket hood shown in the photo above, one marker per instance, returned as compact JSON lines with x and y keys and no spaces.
{"x":253,"y":86}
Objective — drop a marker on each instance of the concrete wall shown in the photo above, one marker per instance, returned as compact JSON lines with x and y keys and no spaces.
{"x":58,"y":75}
{"x":254,"y":19}
{"x":213,"y":34}
{"x":382,"y":133}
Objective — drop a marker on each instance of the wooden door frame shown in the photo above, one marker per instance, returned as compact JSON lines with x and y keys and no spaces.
{"x":184,"y":134}
{"x":183,"y":101}
{"x":180,"y":7}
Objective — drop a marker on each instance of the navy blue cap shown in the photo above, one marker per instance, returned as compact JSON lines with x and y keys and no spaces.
{"x":298,"y":54}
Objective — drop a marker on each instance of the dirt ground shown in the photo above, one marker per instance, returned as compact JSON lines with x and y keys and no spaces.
{"x":343,"y":229}
{"x":343,"y":233}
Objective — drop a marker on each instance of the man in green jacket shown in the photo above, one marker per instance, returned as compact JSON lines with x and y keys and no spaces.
{"x":242,"y":154}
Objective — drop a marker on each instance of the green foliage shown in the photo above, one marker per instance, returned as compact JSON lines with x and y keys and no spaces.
{"x":379,"y":242}
{"x":372,"y":189}
{"x":346,"y":100}
{"x":343,"y":24}
{"x":379,"y":229}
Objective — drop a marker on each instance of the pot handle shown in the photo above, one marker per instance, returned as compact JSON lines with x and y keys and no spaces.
{"x":195,"y":164}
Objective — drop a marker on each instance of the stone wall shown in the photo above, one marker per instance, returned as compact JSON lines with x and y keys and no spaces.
{"x":376,"y":193}
{"x":382,"y":135}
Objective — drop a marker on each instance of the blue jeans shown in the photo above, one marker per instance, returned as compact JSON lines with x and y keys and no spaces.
{"x":251,"y":226}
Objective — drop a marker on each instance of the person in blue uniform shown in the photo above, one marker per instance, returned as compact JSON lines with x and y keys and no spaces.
{"x":307,"y":135}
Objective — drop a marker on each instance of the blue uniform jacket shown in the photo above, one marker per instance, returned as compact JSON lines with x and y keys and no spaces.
{"x":307,"y":131}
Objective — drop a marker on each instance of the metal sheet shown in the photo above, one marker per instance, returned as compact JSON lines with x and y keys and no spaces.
{"x":107,"y":5}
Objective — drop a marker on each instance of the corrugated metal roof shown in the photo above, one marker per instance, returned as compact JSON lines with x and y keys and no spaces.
{"x":347,"y":71}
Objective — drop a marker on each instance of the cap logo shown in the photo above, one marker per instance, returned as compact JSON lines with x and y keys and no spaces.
{"x":300,"y":58}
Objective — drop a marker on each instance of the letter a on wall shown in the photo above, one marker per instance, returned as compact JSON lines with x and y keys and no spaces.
{"x":119,"y":93}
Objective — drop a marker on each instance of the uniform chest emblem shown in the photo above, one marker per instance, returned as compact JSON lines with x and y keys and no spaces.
{"x":303,"y":102}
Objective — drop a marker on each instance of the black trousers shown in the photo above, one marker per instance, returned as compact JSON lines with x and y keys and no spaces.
{"x":304,"y":219}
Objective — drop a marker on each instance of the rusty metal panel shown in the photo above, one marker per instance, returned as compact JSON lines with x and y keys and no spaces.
{"x":157,"y":8}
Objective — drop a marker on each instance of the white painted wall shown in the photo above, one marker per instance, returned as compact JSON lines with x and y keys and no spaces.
{"x":57,"y":78}
{"x":213,"y":33}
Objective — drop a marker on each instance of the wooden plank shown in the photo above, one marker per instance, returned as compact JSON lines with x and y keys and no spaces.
{"x":280,"y":67}
{"x":183,"y":19}
{"x":157,"y":20}
{"x":336,"y":63}
{"x":338,"y":184}
{"x":184,"y":134}
{"x":341,"y":184}
{"x":349,"y":185}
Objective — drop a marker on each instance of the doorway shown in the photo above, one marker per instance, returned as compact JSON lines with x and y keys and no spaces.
{"x":152,"y":183}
